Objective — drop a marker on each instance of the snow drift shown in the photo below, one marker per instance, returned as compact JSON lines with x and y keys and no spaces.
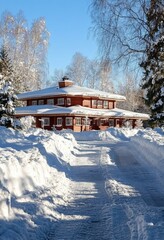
{"x":35,"y":174}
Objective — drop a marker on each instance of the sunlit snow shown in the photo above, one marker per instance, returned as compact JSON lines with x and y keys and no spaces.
{"x":88,"y":185}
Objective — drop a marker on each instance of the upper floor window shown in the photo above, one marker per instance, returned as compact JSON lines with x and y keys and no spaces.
{"x":99,"y":103}
{"x":60,"y":101}
{"x":68,"y":101}
{"x":50,"y":101}
{"x":105,"y":104}
{"x":41,"y":102}
{"x":34,"y":102}
{"x":94,"y":102}
{"x":68,"y":121}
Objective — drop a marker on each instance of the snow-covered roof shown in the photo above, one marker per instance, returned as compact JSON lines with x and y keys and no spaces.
{"x":78,"y":110}
{"x":73,"y":90}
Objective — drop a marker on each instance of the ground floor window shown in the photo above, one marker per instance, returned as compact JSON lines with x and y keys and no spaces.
{"x":34,"y":102}
{"x":111,"y":122}
{"x":86,"y":121}
{"x":45,"y":122}
{"x":59,"y":121}
{"x":103,"y":122}
{"x":68,"y":121}
{"x":78,"y":121}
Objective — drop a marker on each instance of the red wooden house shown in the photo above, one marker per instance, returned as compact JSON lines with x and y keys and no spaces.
{"x":68,"y":106}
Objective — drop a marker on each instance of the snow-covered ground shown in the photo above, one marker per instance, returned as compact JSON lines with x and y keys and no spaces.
{"x":90,"y":185}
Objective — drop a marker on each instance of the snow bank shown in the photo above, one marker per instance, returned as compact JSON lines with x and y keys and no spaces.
{"x":150,"y":144}
{"x":33,"y":181}
{"x":111,"y":134}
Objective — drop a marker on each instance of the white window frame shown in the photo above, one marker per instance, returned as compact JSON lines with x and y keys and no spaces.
{"x":68,"y":101}
{"x":59,"y":121}
{"x":86,"y":121}
{"x":46,"y":121}
{"x":105,"y":104}
{"x":68,"y":121}
{"x":34,"y":102}
{"x":94,"y":102}
{"x":50,"y":101}
{"x":78,"y":121}
{"x":60,"y":101}
{"x":98,"y":103}
{"x":41,"y":102}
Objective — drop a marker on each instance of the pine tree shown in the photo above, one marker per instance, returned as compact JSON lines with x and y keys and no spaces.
{"x":7,"y":96}
{"x":153,"y":65}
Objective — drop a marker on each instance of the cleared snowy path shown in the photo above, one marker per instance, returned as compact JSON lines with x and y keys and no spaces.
{"x":113,"y":196}
{"x":85,"y":216}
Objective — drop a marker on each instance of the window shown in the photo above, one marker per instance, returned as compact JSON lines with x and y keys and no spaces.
{"x":60,"y":101}
{"x":45,"y":122}
{"x":34,"y":102}
{"x":41,"y":102}
{"x":78,"y":121}
{"x":103,"y":122}
{"x":86,"y":121}
{"x":68,"y":121}
{"x":59,"y":121}
{"x":68,"y":101}
{"x":94,"y":102}
{"x":105,"y":104}
{"x":50,"y":101}
{"x":99,"y":103}
{"x":111,"y":122}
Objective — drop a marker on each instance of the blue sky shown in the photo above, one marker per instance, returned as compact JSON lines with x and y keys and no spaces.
{"x":68,"y":22}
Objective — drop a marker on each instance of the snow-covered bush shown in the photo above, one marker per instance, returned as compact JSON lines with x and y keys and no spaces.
{"x":27,"y":122}
{"x":138,"y":123}
{"x":127,"y":124}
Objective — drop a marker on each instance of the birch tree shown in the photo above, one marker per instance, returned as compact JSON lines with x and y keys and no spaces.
{"x":27,"y":48}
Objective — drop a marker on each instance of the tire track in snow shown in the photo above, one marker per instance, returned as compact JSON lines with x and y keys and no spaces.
{"x":86,"y":216}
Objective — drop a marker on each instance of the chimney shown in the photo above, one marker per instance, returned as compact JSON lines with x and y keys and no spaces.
{"x":66,"y":82}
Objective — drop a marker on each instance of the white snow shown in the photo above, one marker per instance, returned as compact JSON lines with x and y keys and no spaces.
{"x":77,"y":110}
{"x":71,"y":90}
{"x":88,"y":185}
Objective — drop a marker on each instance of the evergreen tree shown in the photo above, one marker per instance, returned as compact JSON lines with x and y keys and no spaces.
{"x":153,"y":65}
{"x":7,"y":96}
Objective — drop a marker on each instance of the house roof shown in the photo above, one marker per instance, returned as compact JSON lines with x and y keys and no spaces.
{"x":73,"y":90}
{"x":48,"y":110}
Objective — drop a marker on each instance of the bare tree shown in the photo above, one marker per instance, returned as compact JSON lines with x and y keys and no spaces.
{"x":27,"y":48}
{"x":56,"y":77}
{"x":105,"y":82}
{"x":93,"y":74}
{"x":133,"y":93}
{"x":120,"y":27}
{"x":78,"y":69}
{"x":90,"y":73}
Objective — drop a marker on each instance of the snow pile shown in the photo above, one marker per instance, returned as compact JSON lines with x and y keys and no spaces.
{"x":150,"y":144}
{"x":33,"y":181}
{"x":111,"y":134}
